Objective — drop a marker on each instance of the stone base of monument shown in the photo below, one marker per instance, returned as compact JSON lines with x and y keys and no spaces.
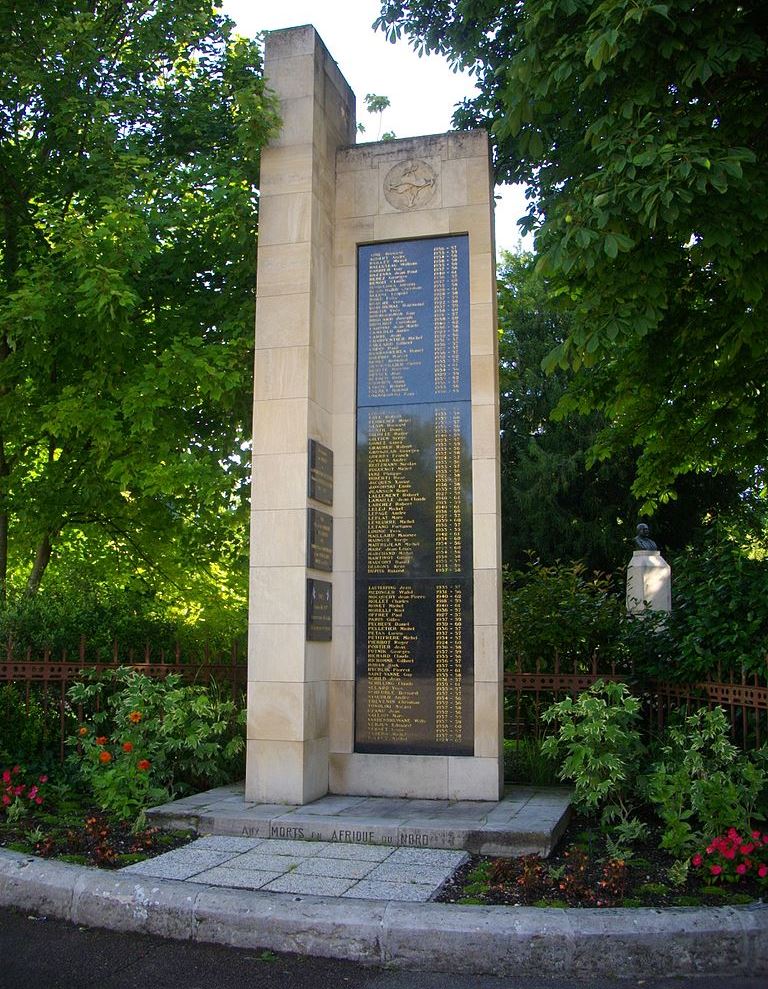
{"x":526,"y":820}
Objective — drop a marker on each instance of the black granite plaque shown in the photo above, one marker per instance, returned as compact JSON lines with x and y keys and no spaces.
{"x":319,"y":540}
{"x":319,"y":610}
{"x":320,"y":473}
{"x":413,"y":588}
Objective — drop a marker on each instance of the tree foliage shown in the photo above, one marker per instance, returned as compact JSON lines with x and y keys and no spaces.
{"x":641,"y":131}
{"x":129,"y":148}
{"x":553,"y":504}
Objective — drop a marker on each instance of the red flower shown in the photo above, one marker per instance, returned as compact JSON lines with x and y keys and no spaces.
{"x":127,"y":746}
{"x":746,"y":849}
{"x":143,"y":764}
{"x":105,"y":757}
{"x":102,"y":740}
{"x":135,"y":717}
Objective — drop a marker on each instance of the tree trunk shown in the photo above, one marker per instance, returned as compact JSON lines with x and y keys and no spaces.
{"x":42,"y":559}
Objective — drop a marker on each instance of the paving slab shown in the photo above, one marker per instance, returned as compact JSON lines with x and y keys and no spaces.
{"x":292,"y":882}
{"x":526,"y":820}
{"x":306,"y":867}
{"x":234,"y":878}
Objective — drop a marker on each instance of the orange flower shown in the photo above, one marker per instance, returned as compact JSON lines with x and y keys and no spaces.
{"x":102,"y":740}
{"x":82,"y":730}
{"x":135,"y":717}
{"x":143,"y":764}
{"x":105,"y":757}
{"x":127,"y":746}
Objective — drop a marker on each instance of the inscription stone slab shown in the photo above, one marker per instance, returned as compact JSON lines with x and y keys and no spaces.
{"x":319,"y":540}
{"x":320,"y":475}
{"x":413,"y":587}
{"x":319,"y":610}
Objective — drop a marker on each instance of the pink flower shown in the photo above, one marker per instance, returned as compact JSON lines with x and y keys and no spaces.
{"x":715,"y":870}
{"x":696,"y":860}
{"x":32,"y":792}
{"x":16,"y":769}
{"x":762,"y":871}
{"x":730,"y":852}
{"x":756,"y":835}
{"x":741,"y":868}
{"x":746,"y":849}
{"x":6,"y":776}
{"x":43,"y":779}
{"x":38,"y":800}
{"x":6,"y":799}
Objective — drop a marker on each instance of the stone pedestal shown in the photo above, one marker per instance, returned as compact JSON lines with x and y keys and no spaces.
{"x":649,"y":583}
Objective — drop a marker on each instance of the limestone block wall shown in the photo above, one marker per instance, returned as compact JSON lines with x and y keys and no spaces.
{"x":288,"y":726}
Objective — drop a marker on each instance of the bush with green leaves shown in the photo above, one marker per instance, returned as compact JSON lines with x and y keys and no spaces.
{"x":181,"y":737}
{"x":57,"y":618}
{"x":29,"y":733}
{"x":719,"y":622}
{"x":564,"y":611}
{"x":701,"y":784}
{"x":597,"y":738}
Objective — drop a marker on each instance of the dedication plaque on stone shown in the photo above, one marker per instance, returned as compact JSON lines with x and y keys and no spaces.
{"x":320,"y":474}
{"x":414,"y":687}
{"x":319,"y":610}
{"x":319,"y":540}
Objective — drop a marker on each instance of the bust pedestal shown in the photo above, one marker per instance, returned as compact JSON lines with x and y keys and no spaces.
{"x":649,"y":582}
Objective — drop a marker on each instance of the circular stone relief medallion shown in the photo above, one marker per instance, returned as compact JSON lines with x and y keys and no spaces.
{"x":410,"y":184}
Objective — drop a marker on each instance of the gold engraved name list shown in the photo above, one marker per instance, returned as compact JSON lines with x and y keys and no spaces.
{"x":396,"y":345}
{"x":392,"y":535}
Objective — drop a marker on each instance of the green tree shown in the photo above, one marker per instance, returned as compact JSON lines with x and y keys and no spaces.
{"x":129,"y":147}
{"x":641,"y":131}
{"x":554,"y":504}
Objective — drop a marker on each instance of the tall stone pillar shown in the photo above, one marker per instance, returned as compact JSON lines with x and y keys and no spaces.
{"x":288,"y":727}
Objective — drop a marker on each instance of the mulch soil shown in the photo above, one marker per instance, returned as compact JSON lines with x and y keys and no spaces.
{"x":581,"y":873}
{"x":95,"y":839}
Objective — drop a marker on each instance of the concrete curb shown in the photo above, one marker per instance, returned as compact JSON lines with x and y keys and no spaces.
{"x":624,"y":943}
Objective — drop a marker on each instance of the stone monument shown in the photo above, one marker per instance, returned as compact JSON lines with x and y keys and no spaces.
{"x":375,"y":653}
{"x":649,"y":577}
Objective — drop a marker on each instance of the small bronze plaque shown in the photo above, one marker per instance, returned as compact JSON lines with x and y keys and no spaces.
{"x":319,"y":540}
{"x":319,"y":610}
{"x":320,"y":479}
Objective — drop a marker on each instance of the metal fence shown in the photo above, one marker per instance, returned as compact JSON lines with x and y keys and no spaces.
{"x":527,"y":691}
{"x":743,"y":698}
{"x":49,"y":677}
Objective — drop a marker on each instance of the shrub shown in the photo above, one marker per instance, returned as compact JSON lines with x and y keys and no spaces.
{"x":563,"y":611}
{"x":143,"y":736}
{"x":28,"y":732}
{"x":720,"y":612}
{"x":598,"y":739}
{"x":701,"y":784}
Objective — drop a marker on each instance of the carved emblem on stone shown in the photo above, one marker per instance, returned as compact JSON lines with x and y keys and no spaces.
{"x":410,"y":184}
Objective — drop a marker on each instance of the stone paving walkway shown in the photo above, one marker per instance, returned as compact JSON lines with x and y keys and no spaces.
{"x":319,"y":868}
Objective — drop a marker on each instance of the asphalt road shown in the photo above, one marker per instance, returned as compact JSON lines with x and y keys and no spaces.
{"x":36,"y":953}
